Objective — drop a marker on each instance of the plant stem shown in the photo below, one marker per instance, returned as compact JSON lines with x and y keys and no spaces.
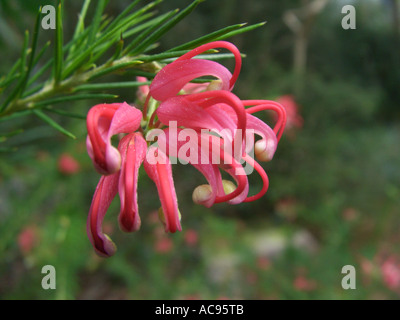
{"x":67,"y":86}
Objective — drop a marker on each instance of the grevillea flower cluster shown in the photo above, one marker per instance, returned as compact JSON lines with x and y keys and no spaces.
{"x":195,"y":122}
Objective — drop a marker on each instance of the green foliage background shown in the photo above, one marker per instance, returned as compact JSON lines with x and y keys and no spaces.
{"x":334,"y":193}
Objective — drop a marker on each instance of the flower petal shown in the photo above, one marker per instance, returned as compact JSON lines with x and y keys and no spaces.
{"x":133,"y":150}
{"x":105,"y":192}
{"x":218,"y":44}
{"x":199,"y":157}
{"x":173,"y":77}
{"x":104,"y":121}
{"x":186,"y":113}
{"x":158,"y":168}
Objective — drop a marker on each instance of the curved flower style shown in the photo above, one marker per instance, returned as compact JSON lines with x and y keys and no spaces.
{"x":203,"y":124}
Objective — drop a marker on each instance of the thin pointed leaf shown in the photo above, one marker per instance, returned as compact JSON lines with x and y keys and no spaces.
{"x":141,"y":73}
{"x":207,"y":38}
{"x":96,"y":21}
{"x":14,"y":69}
{"x":80,"y":27}
{"x":240,"y":31}
{"x":33,"y":50}
{"x":118,"y":23}
{"x":143,"y":26}
{"x":123,"y":14}
{"x":40,"y":72}
{"x":58,"y":52}
{"x":118,"y":49}
{"x":14,"y":93}
{"x":117,"y":67}
{"x":41,"y":53}
{"x":6,"y":82}
{"x":157,"y":34}
{"x":66,"y":113}
{"x":215,"y":57}
{"x":24,"y":53}
{"x":111,"y":85}
{"x":16,"y":115}
{"x":144,"y":35}
{"x":163,"y":56}
{"x":40,"y":114}
{"x":74,"y":98}
{"x":77,"y":61}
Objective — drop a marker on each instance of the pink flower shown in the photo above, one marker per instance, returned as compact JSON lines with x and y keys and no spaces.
{"x":191,"y":237}
{"x":294,"y":119}
{"x":263,"y":263}
{"x":302,"y":283}
{"x":67,"y":164}
{"x":178,"y":108}
{"x":163,"y":245}
{"x":27,"y":239}
{"x":391,"y":273}
{"x":217,"y":109}
{"x":131,"y":153}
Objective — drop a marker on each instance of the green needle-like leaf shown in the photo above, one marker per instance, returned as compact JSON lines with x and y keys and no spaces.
{"x":66,"y":113}
{"x":133,"y":46}
{"x":240,"y":31}
{"x":12,"y":74}
{"x":40,"y":114}
{"x":163,"y":56}
{"x":111,"y":85}
{"x":58,"y":52}
{"x":18,"y":87}
{"x":116,"y":67}
{"x":24,"y":53}
{"x":74,"y":98}
{"x":157,"y":34}
{"x":123,"y":14}
{"x":96,"y":21}
{"x":16,"y":115}
{"x":143,"y":26}
{"x":207,"y":38}
{"x":33,"y":51}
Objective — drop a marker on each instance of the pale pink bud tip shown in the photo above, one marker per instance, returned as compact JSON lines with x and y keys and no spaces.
{"x":113,"y":160}
{"x":202,"y":194}
{"x":265,"y":149}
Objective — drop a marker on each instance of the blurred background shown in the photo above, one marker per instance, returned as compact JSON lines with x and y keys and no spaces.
{"x":334,"y":196}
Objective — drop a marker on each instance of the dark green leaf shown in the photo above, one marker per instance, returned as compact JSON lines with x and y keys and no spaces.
{"x":40,"y":114}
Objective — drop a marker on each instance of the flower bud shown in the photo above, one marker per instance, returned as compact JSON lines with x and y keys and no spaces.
{"x":215,"y":85}
{"x":202,"y":194}
{"x":229,"y":186}
{"x":264,"y":149}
